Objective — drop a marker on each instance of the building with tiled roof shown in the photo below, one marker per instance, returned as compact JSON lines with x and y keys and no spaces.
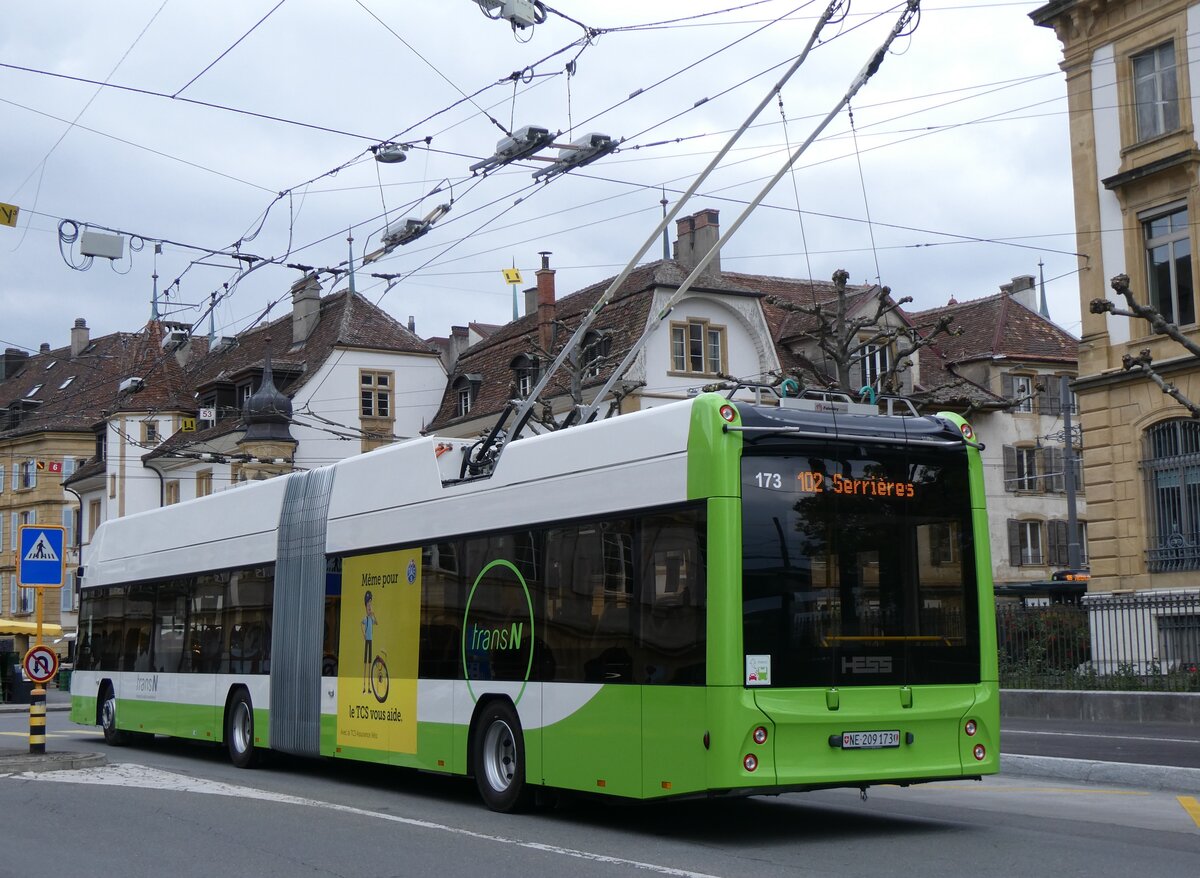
{"x":1007,"y":360}
{"x":133,"y":421}
{"x":745,"y":327}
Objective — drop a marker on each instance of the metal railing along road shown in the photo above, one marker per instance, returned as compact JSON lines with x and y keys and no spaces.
{"x":1108,"y":641}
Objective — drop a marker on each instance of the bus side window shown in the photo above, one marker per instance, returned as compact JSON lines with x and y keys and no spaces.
{"x":673,"y":598}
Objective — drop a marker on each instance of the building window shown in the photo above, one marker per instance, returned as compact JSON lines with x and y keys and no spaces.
{"x":33,"y":391}
{"x":112,"y":485}
{"x":1059,"y":539}
{"x":204,"y":483}
{"x":466,"y":389}
{"x":943,"y":543}
{"x":68,"y":597}
{"x":1021,"y":468}
{"x":171,"y":492}
{"x":1171,"y":467}
{"x":875,"y":362}
{"x":375,"y":392}
{"x":1155,"y":91}
{"x":1021,"y":389}
{"x":1025,"y":543}
{"x":525,"y":369}
{"x":150,"y":432}
{"x":93,"y":518}
{"x":25,"y":475}
{"x":1169,"y":266}
{"x":1,"y":480}
{"x":596,"y":348}
{"x":697,"y":348}
{"x":66,"y":382}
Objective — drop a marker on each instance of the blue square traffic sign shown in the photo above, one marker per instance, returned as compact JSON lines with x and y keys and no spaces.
{"x":41,"y":559}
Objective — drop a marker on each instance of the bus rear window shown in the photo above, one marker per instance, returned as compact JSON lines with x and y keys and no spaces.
{"x":858,"y":566}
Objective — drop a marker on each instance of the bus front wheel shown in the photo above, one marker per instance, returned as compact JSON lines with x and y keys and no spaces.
{"x":498,"y":758}
{"x":239,"y":731}
{"x":113,"y":736}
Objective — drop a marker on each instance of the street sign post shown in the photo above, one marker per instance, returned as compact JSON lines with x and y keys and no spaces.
{"x":41,"y":664}
{"x":41,"y":564}
{"x":41,"y":556}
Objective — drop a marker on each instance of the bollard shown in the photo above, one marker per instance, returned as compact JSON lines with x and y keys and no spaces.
{"x":37,"y":720}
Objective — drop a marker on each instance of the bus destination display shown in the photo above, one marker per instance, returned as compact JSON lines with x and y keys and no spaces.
{"x":815,"y":482}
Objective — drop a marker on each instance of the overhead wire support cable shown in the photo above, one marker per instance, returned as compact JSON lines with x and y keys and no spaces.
{"x":526,"y":407}
{"x":912,"y":8}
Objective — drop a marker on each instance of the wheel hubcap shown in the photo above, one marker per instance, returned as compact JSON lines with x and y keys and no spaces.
{"x":242,"y":728}
{"x":499,"y":756}
{"x":108,"y":714}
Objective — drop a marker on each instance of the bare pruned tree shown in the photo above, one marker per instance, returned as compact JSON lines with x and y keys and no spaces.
{"x":846,"y":340}
{"x":1143,"y":362}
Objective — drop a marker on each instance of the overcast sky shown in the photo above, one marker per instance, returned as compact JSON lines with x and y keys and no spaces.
{"x":954,"y":178}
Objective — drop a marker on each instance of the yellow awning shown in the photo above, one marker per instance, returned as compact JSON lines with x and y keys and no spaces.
{"x":12,"y":626}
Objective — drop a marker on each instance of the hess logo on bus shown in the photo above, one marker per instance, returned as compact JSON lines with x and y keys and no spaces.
{"x":867,"y":664}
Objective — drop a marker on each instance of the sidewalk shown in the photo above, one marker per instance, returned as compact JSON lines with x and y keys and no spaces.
{"x":56,"y":699}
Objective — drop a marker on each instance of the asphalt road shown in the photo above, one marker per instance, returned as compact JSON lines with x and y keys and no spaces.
{"x":181,"y":809}
{"x":1173,"y":744}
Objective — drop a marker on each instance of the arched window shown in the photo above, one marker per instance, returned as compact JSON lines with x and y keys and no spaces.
{"x":1171,"y":467}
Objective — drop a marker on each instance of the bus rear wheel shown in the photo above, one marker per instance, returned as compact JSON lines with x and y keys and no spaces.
{"x":239,"y":731}
{"x":498,"y":758}
{"x":113,"y":736}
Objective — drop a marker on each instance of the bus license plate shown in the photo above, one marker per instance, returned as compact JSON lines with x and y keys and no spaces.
{"x":870,"y":740}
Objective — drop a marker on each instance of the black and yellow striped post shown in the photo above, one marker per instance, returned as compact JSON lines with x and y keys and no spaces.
{"x":37,"y":720}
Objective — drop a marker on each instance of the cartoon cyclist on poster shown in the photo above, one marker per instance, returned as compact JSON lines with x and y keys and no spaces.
{"x":368,"y":629}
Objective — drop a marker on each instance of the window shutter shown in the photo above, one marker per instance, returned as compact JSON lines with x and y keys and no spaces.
{"x":1056,"y":543}
{"x":1006,"y":386}
{"x":1052,"y":401}
{"x":1056,"y":478}
{"x":1010,"y":468}
{"x":1014,"y":542}
{"x":1078,"y":467}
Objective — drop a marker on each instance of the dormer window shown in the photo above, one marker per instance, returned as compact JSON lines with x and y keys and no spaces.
{"x":697,"y":348}
{"x":466,"y":388}
{"x":597,"y":345}
{"x":33,"y":390}
{"x":66,"y":383}
{"x":525,"y":368}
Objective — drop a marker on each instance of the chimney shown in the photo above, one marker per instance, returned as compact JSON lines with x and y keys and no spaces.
{"x":412,"y":324}
{"x":14,"y":361}
{"x":531,"y":301}
{"x":545,"y":301}
{"x":45,"y":348}
{"x":1023,"y":289}
{"x":306,"y":307}
{"x":80,"y":337}
{"x":695,"y":236}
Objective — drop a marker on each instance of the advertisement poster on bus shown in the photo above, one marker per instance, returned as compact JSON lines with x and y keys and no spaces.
{"x":378,"y":647}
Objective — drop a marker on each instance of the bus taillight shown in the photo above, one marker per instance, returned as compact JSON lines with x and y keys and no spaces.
{"x":750,"y":762}
{"x":760,"y":735}
{"x":729,"y":413}
{"x":979,"y":752}
{"x":970,"y":728}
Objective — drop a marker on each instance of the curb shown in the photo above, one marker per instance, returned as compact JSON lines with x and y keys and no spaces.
{"x":24,"y":708}
{"x":15,"y":762}
{"x":1152,"y":777}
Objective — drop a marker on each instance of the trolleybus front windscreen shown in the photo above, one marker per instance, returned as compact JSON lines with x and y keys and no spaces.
{"x":858,"y":565}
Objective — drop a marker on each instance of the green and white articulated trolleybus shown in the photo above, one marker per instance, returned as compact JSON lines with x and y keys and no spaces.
{"x":700,"y":599}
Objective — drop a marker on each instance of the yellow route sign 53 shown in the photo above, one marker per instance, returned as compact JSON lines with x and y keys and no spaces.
{"x":8,"y":214}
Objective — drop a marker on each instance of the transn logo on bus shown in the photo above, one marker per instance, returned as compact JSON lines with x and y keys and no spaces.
{"x":497,"y":638}
{"x":867,"y":664}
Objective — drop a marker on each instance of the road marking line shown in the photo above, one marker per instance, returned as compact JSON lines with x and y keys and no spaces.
{"x":1192,"y":807}
{"x":131,"y":775}
{"x":1106,"y":737}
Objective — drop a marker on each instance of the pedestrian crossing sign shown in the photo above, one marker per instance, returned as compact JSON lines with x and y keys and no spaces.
{"x":41,"y":556}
